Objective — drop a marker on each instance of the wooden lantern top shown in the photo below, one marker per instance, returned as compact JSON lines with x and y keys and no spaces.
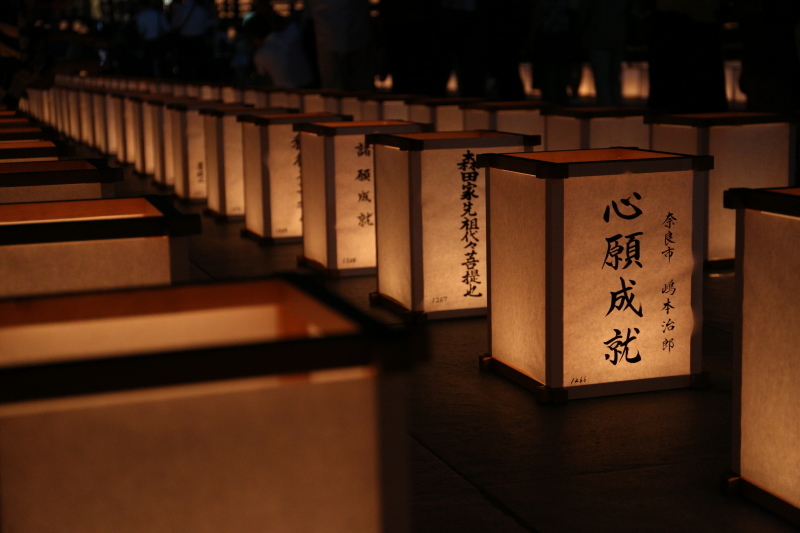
{"x":596,"y":112}
{"x":89,"y":220}
{"x":361,"y":127}
{"x":601,"y":162}
{"x":58,"y":173}
{"x":508,"y":106}
{"x":292,"y":118}
{"x":453,"y":139}
{"x":708,"y":120}
{"x":27,"y":149}
{"x":107,"y":350}
{"x":780,"y":201}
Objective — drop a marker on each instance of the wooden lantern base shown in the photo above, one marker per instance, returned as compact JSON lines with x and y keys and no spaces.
{"x":548,"y":395}
{"x":263,"y":241}
{"x":732,"y":484}
{"x":333,"y":273}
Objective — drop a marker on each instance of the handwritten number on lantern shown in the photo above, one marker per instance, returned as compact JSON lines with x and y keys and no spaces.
{"x":629,"y":211}
{"x":470,"y":230}
{"x":619,"y":347}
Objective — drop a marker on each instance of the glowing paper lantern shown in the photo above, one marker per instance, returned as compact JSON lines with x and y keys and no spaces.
{"x":92,"y":244}
{"x":189,"y":148}
{"x":99,"y":120}
{"x":162,"y":138}
{"x":444,"y":113}
{"x":74,"y":110}
{"x":766,"y":368}
{"x":431,"y":235}
{"x":385,"y":106}
{"x":514,"y":117}
{"x":86,"y":119}
{"x":211,"y":92}
{"x":134,"y":130}
{"x":281,"y":98}
{"x":749,"y":149}
{"x":595,"y":273}
{"x":232,"y":95}
{"x":339,"y":196}
{"x":238,"y":394}
{"x":193,"y":90}
{"x":225,"y":160}
{"x":19,"y":151}
{"x":582,"y":128}
{"x":272,"y":200}
{"x":180,"y":89}
{"x":57,"y":180}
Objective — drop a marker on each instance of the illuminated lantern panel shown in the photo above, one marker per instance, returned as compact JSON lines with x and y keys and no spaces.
{"x":92,"y":244}
{"x":224,"y":158}
{"x":169,"y":120}
{"x":431,"y":236}
{"x":385,"y":106}
{"x":350,"y":104}
{"x":210,"y":93}
{"x":100,"y":120}
{"x":280,"y":98}
{"x":57,"y":180}
{"x":749,"y":149}
{"x":179,"y":89}
{"x":134,"y":127}
{"x":192,"y":90}
{"x":87,"y":122}
{"x":766,"y":367}
{"x":232,"y":95}
{"x":444,"y":113}
{"x":513,"y":117}
{"x":582,"y":128}
{"x":74,"y":108}
{"x":272,"y":188}
{"x":21,"y":151}
{"x":189,"y":148}
{"x":229,"y":442}
{"x":595,"y":276}
{"x":114,"y":125}
{"x":339,"y":194}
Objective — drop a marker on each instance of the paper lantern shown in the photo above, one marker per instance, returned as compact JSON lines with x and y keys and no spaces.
{"x":749,"y":149}
{"x":114,"y":129}
{"x":192,"y":90}
{"x":272,"y":199}
{"x":57,"y":180}
{"x":189,"y":148}
{"x":74,"y":110}
{"x":766,"y":370}
{"x":121,"y":118}
{"x":595,"y":270}
{"x":99,"y":120}
{"x":85,"y":245}
{"x":211,"y":92}
{"x":281,"y":98}
{"x":431,"y":235}
{"x":582,"y":128}
{"x":224,"y":407}
{"x":339,"y":196}
{"x":308,"y":100}
{"x":349,"y":104}
{"x":232,"y":95}
{"x":384,"y":106}
{"x":86,"y":118}
{"x":444,"y":113}
{"x":179,"y":89}
{"x":225,"y":160}
{"x":161,"y":139}
{"x":20,"y":151}
{"x":514,"y":117}
{"x":256,"y":96}
{"x":134,"y":130}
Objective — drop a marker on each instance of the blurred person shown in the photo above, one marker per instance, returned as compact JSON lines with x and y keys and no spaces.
{"x":152,"y":26}
{"x":602,"y":28}
{"x":192,"y":23}
{"x":344,"y":37}
{"x":279,"y":54}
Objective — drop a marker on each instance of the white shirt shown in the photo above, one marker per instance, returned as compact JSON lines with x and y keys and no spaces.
{"x":151,"y":24}
{"x":282,"y":58}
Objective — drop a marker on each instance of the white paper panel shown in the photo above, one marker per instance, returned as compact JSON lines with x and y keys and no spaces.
{"x":393,"y":234}
{"x":129,"y":119}
{"x":196,"y":154}
{"x":314,"y":197}
{"x":255,"y":176}
{"x":476,"y":119}
{"x":355,"y":202}
{"x":277,"y":99}
{"x":517,"y":232}
{"x":449,"y":284}
{"x":294,"y":101}
{"x":526,"y":122}
{"x":138,"y":137}
{"x":563,"y":133}
{"x":589,"y":319}
{"x":630,"y":132}
{"x":147,"y":134}
{"x":209,"y":462}
{"x":312,"y":103}
{"x":179,"y":140}
{"x":100,"y":122}
{"x":74,"y":109}
{"x":420,"y":113}
{"x":87,"y":124}
{"x":283,"y":161}
{"x":770,"y":419}
{"x":233,"y":166}
{"x":676,"y":139}
{"x":48,"y":268}
{"x":370,"y":110}
{"x":753,"y":156}
{"x":169,"y":149}
{"x":251,"y":97}
{"x":214,"y":161}
{"x":231,"y":95}
{"x":112,"y":112}
{"x":157,"y":142}
{"x":193,"y":91}
{"x":352,"y":106}
{"x":395,"y":110}
{"x":331,"y":104}
{"x":449,"y":118}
